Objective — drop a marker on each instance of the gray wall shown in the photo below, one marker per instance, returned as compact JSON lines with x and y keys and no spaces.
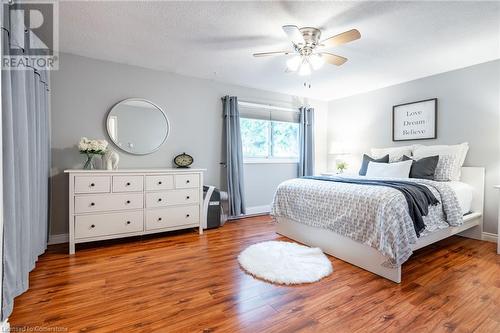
{"x":468,"y":110}
{"x":260,"y":184}
{"x":84,"y":89}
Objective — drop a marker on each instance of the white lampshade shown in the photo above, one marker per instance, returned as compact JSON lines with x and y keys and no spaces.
{"x":305,"y":68}
{"x":338,"y":148}
{"x":316,"y":61}
{"x":293,"y":63}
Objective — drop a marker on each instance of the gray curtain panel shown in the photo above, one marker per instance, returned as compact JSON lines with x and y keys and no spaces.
{"x":234,"y":156}
{"x":306,"y":142}
{"x":25,"y":149}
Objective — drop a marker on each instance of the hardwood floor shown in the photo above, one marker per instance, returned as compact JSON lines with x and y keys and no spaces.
{"x":183,"y":282}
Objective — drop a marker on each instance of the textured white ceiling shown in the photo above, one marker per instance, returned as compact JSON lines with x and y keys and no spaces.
{"x":400,"y":41}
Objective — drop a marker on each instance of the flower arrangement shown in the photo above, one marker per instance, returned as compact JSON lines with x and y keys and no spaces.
{"x":90,"y":148}
{"x":341,"y":166}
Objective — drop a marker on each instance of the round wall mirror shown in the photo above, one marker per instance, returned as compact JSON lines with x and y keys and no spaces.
{"x":137,"y":126}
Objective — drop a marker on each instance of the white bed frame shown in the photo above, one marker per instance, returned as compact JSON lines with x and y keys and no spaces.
{"x":368,"y":258}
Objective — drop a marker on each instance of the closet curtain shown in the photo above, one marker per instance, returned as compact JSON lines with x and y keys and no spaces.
{"x":26,"y":165}
{"x":306,"y":142}
{"x":234,"y":156}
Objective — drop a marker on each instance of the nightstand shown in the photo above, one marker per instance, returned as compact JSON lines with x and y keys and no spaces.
{"x":333,"y":173}
{"x":498,"y":230}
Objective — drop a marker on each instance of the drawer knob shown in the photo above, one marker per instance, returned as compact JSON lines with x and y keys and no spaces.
{"x":187,"y":197}
{"x":159,"y":183}
{"x":92,"y":225}
{"x":159,"y":199}
{"x":128,"y":222}
{"x":159,"y":219}
{"x":128,"y":184}
{"x":92,"y":184}
{"x":187,"y":215}
{"x":187,"y":181}
{"x":128,"y":201}
{"x":92,"y":203}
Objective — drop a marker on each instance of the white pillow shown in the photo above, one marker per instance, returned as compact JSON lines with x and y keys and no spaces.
{"x":389,"y":170}
{"x":451,"y":159}
{"x":395,"y":153}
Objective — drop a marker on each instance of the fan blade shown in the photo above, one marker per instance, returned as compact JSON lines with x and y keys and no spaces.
{"x":265,"y":54}
{"x":342,"y":38}
{"x":294,"y":34}
{"x":333,"y":58}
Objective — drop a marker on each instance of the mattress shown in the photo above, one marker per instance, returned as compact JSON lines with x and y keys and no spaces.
{"x":376,"y":216}
{"x":464,"y":193}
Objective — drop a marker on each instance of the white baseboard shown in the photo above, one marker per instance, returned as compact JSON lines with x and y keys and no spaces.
{"x":258,"y":210}
{"x":5,"y":326}
{"x":490,"y":237}
{"x":58,"y":239}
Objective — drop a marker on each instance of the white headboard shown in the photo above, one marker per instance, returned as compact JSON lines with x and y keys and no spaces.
{"x":474,"y":176}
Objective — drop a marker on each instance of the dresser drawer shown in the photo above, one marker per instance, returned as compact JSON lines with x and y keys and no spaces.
{"x":187,"y":181}
{"x":96,"y":225}
{"x":159,"y":182}
{"x":128,"y":183}
{"x":92,"y":184}
{"x":171,"y":217}
{"x":104,"y":202}
{"x":169,"y":198}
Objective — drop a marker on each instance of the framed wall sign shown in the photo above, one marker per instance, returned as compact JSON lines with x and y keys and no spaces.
{"x":415,"y":121}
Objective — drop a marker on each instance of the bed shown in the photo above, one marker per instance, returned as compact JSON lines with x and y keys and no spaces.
{"x":390,"y":241}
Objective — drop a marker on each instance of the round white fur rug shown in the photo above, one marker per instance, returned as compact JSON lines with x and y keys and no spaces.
{"x":285,"y":262}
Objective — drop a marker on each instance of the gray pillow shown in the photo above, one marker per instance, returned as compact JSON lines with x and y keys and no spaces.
{"x":367,"y":159}
{"x":424,"y":168}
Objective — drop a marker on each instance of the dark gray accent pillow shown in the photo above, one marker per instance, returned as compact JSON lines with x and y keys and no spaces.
{"x":424,"y":168}
{"x":367,"y":159}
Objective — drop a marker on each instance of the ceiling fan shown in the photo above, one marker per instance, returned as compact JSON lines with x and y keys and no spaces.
{"x":307,"y":48}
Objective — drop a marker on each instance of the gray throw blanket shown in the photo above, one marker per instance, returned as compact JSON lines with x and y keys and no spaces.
{"x":418,"y":196}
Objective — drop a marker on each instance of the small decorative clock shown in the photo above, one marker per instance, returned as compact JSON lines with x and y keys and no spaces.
{"x":183,"y":160}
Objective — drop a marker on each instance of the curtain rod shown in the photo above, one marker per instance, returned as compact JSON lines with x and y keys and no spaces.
{"x":266,"y":106}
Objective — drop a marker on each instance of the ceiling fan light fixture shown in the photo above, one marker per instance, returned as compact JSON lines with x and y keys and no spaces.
{"x":293,"y":63}
{"x":305,"y":68}
{"x":316,"y":61}
{"x":306,"y":57}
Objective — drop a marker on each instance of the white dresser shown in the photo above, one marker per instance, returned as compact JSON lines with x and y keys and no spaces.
{"x":106,"y":204}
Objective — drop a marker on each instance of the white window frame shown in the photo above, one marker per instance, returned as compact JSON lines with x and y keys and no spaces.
{"x":270,"y":159}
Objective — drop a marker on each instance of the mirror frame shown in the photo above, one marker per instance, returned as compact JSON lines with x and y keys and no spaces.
{"x":141,"y":100}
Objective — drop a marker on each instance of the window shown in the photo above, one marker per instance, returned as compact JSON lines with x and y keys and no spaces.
{"x":274,"y":140}
{"x":285,"y":139}
{"x":255,"y":137}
